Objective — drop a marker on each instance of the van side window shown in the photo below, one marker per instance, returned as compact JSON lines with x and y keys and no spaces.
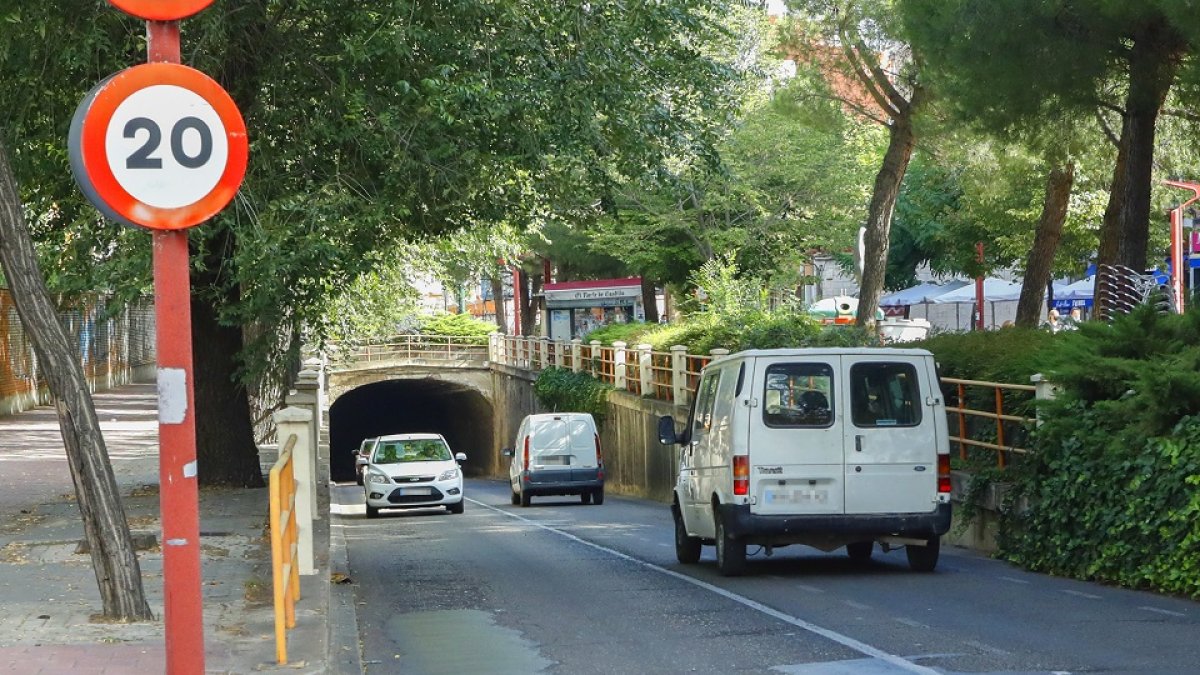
{"x":798,"y":395}
{"x":884,"y":395}
{"x":705,"y":398}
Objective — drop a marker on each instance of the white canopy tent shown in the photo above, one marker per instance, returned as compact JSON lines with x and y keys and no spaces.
{"x":920,"y":293}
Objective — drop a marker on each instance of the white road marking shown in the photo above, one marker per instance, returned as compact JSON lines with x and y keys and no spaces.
{"x":1162,"y":611}
{"x":810,"y":589}
{"x":844,"y":640}
{"x":910,"y":622}
{"x":987,"y":648}
{"x":1014,"y":580}
{"x":857,"y":605}
{"x":1081,"y":594}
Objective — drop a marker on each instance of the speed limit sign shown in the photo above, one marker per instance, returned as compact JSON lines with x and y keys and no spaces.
{"x":161,"y":10}
{"x":159,"y":145}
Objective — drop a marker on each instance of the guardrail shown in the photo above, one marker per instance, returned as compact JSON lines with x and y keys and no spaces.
{"x":437,"y":348}
{"x":284,"y":545}
{"x":673,"y":376}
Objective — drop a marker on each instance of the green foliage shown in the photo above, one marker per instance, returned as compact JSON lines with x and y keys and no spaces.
{"x":561,"y":390}
{"x":629,"y":333}
{"x":1111,"y":489}
{"x":1010,"y":355}
{"x":457,"y":325}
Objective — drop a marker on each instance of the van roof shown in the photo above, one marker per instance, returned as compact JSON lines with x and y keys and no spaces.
{"x":558,"y":415}
{"x":830,"y":351}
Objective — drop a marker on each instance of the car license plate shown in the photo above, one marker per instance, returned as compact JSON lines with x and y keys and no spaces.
{"x":797,"y":496}
{"x":409,"y":492}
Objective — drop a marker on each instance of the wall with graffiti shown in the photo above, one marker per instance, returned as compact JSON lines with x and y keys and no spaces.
{"x":116,"y":345}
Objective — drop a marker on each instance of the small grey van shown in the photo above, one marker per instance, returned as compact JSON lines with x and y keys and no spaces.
{"x":821,"y":447}
{"x":556,"y":454}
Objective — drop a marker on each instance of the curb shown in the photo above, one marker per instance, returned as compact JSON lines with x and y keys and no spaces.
{"x":345,"y":655}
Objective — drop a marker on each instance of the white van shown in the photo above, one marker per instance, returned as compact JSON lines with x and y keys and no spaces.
{"x":556,"y":454}
{"x":822,"y":447}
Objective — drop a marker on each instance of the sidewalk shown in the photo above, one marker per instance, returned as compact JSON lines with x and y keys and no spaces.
{"x":48,"y":591}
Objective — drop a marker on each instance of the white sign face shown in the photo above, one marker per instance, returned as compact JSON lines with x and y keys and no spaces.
{"x":166,"y":146}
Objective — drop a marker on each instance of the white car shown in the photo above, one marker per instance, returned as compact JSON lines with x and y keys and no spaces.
{"x":413,"y":471}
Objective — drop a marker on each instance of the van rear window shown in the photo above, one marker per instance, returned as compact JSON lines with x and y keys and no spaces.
{"x":884,"y":395}
{"x":798,"y":395}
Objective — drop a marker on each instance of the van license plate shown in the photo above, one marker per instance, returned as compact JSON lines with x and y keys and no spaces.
{"x":797,"y":496}
{"x":415,"y":491}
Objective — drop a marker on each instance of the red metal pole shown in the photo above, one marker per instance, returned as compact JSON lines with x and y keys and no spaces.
{"x":1177,"y":269}
{"x":179,"y":494}
{"x":979,"y":287}
{"x":517,"y":284}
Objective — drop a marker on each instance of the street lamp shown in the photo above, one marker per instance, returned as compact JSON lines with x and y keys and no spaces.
{"x":1177,"y":241}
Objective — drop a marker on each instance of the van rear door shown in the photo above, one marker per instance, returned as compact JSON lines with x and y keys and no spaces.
{"x":550,"y":446}
{"x":583,"y":443}
{"x":890,"y":439}
{"x":796,"y":458}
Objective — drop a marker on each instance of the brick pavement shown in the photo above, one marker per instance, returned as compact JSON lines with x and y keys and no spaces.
{"x":48,"y":592}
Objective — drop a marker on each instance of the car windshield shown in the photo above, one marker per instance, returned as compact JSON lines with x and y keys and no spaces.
{"x":418,"y":450}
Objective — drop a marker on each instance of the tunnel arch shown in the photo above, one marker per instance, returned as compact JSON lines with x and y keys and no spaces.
{"x":459,"y":412}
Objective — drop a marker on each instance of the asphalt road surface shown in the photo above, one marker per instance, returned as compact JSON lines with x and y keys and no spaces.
{"x":561,"y":587}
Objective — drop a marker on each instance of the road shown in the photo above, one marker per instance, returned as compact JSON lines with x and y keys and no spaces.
{"x":565,"y":588}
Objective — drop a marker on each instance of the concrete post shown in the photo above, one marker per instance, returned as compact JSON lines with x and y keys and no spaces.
{"x":576,"y":355}
{"x":679,"y":388}
{"x":493,"y":347}
{"x":295,"y":421}
{"x":593,"y":356}
{"x":718,"y":353}
{"x":544,"y":363}
{"x":1045,"y":391}
{"x":307,"y":397}
{"x":646,"y":370}
{"x":619,"y":365}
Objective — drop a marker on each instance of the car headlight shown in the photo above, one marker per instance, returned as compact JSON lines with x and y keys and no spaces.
{"x":449,"y":474}
{"x":378,"y":478}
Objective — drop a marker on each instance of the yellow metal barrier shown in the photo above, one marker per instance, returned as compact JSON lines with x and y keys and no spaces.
{"x":284,"y":538}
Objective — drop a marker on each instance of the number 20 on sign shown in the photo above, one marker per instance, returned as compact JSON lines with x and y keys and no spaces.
{"x":159,"y":145}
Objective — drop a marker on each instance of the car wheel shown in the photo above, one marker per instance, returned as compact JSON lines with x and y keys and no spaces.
{"x":457,"y":508}
{"x":585,"y":497}
{"x":358,"y":477}
{"x":860,"y":551}
{"x":731,"y":552}
{"x":516,"y":498}
{"x":525,"y":499}
{"x":372,"y":512}
{"x":924,"y":558}
{"x":598,"y":496}
{"x":687,"y":548}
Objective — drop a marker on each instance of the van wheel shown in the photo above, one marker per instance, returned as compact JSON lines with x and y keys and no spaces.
{"x":525,"y":499}
{"x":687,"y":549}
{"x":372,"y":512}
{"x":731,"y":552}
{"x":585,"y":497}
{"x":860,"y":551}
{"x":516,"y":498}
{"x":924,"y":558}
{"x":598,"y":496}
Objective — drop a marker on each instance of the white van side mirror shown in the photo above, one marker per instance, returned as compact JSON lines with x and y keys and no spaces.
{"x":460,"y":457}
{"x":506,"y":452}
{"x":666,"y":430}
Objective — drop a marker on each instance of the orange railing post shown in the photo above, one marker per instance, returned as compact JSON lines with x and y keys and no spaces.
{"x":285,"y":571}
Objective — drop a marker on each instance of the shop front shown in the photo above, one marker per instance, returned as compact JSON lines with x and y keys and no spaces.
{"x":578,"y":307}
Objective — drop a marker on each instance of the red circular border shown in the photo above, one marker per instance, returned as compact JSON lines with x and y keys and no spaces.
{"x":95,"y":161}
{"x":161,"y":10}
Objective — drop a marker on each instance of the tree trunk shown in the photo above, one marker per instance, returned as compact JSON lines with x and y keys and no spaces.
{"x":114,"y":560}
{"x":226,"y":453}
{"x":1045,"y":244}
{"x":531,"y":304}
{"x":498,"y":300}
{"x":648,"y":300}
{"x":1153,"y":62}
{"x":901,"y":141}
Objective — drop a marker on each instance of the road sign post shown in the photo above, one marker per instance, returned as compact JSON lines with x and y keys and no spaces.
{"x":163,"y":146}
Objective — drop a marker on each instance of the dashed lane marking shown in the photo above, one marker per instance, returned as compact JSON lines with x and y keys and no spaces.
{"x":1081,"y":594}
{"x":1168,"y":612}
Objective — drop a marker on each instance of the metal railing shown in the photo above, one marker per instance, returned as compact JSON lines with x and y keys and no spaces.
{"x":435,"y":348}
{"x":996,"y":411}
{"x":284,"y":545}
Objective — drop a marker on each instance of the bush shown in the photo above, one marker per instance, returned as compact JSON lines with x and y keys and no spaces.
{"x":561,"y":390}
{"x":1010,"y":355}
{"x":457,"y":325}
{"x":629,"y":333}
{"x":1111,"y":487}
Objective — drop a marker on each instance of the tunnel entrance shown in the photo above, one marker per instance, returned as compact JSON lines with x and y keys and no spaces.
{"x":461,"y":414}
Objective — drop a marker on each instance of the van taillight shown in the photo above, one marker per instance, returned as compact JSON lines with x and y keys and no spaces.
{"x":526,"y":454}
{"x":599,"y":459}
{"x":944,"y":473}
{"x":741,"y":475}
